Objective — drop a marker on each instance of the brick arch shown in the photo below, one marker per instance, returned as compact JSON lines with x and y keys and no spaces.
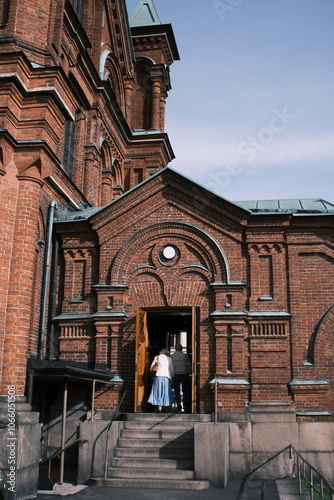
{"x":148,"y":284}
{"x":197,"y":292}
{"x":209,"y":248}
{"x":168,"y":290}
{"x":112,"y":73}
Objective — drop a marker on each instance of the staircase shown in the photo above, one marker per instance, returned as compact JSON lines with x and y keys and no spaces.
{"x":155,"y":451}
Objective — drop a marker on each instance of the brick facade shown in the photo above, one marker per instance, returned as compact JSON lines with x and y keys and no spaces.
{"x":82,"y":125}
{"x":251,"y":277}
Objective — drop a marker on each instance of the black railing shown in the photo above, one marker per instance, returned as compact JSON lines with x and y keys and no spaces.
{"x":319,"y":487}
{"x":58,"y":453}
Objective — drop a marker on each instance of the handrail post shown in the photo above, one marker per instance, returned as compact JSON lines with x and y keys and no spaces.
{"x":312,"y":484}
{"x":49,"y":471}
{"x":106,"y":456}
{"x":216,"y":402}
{"x":299,"y":476}
{"x":93,"y":398}
{"x":58,"y":454}
{"x":310,"y":474}
{"x":63,"y":436}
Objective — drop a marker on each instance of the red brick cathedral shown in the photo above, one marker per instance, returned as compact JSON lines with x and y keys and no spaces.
{"x":108,"y":255}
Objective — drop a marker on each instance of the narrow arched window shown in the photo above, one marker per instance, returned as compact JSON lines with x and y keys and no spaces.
{"x":79,"y":9}
{"x":69,"y":147}
{"x":4,"y":12}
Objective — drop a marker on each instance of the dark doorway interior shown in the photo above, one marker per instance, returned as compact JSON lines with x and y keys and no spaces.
{"x":165,"y":330}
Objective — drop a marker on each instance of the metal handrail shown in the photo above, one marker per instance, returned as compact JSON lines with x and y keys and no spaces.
{"x":323,"y":483}
{"x":108,"y":430}
{"x":58,"y":454}
{"x":309,"y":473}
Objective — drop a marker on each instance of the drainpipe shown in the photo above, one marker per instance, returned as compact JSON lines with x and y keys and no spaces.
{"x":46,"y":278}
{"x":53,"y":290}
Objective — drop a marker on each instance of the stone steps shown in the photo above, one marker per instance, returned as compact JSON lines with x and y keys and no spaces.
{"x":164,"y":434}
{"x":166,"y":417}
{"x":180,"y":484}
{"x":161,"y":463}
{"x":161,"y":425}
{"x":164,"y":453}
{"x":149,"y":473}
{"x":155,"y":451}
{"x":154,"y":443}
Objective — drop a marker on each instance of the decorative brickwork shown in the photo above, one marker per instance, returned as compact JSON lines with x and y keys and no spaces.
{"x":160,"y":256}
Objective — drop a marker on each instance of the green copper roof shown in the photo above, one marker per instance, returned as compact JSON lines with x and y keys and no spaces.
{"x":145,"y":14}
{"x":308,"y":205}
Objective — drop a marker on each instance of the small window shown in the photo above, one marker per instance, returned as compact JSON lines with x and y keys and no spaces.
{"x":4,"y":11}
{"x":79,"y":9}
{"x":69,"y":148}
{"x":138,"y":176}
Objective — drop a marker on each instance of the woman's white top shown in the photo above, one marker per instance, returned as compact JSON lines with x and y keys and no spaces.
{"x":165,"y":366}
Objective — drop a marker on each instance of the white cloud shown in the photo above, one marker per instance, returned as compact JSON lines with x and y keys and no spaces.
{"x":197,"y":149}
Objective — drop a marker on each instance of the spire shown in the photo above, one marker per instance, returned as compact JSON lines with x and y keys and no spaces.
{"x":145,"y":14}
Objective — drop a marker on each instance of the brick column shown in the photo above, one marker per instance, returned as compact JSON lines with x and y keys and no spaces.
{"x":102,"y":343}
{"x":128,"y":100}
{"x":163,"y":98}
{"x":20,"y":427}
{"x":156,"y":91}
{"x":20,"y":289}
{"x":93,"y":175}
{"x":8,"y":199}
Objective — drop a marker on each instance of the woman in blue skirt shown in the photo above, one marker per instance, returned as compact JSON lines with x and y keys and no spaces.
{"x":161,"y":393}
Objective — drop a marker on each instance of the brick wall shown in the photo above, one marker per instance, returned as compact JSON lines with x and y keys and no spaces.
{"x":252,"y":335}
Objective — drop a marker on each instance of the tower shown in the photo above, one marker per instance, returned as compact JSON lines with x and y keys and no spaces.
{"x":69,"y":121}
{"x":155,"y":50}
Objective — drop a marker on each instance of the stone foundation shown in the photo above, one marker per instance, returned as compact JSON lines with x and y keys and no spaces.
{"x":20,"y":438}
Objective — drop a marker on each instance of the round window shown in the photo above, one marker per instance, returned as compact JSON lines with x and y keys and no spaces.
{"x":169,"y":255}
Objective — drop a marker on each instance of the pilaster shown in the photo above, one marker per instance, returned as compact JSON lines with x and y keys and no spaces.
{"x":108,"y":324}
{"x":20,"y":288}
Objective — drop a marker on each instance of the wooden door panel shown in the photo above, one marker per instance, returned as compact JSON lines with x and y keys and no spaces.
{"x":194,"y":322}
{"x":141,"y":354}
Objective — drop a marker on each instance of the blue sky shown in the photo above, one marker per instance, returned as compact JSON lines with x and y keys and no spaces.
{"x":251,"y":110}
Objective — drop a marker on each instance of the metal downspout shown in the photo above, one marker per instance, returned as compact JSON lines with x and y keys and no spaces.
{"x":53,"y":286}
{"x":46,"y":278}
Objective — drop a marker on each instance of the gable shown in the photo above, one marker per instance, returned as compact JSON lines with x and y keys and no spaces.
{"x":168,"y":187}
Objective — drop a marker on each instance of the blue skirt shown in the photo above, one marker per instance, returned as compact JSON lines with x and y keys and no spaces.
{"x":161,"y":393}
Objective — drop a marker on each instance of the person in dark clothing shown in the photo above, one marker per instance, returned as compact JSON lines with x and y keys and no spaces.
{"x":182,"y":369}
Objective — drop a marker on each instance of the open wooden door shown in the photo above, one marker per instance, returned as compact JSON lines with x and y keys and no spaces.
{"x":141,"y":358}
{"x":194,"y":364}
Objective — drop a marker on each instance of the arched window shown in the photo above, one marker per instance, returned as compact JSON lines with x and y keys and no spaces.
{"x":79,"y":9}
{"x":4,"y":12}
{"x":142,"y":94}
{"x":107,"y":174}
{"x":69,"y":147}
{"x":111,"y":72}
